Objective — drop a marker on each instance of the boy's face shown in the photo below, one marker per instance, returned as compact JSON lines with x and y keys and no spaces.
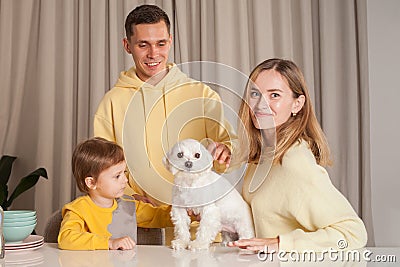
{"x":149,"y":45}
{"x":111,"y":182}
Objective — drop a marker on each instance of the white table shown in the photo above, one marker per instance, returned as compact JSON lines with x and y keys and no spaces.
{"x":147,"y":256}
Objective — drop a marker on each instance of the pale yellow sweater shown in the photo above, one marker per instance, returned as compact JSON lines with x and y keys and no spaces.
{"x":156,"y":118}
{"x":298,"y":203}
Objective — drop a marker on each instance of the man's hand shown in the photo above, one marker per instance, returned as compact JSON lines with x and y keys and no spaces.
{"x":144,"y":199}
{"x":123,"y":243}
{"x":220,"y":152}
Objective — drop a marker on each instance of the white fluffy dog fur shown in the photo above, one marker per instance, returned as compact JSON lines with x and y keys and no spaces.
{"x":198,"y":188}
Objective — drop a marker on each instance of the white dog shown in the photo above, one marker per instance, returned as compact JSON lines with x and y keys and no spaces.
{"x":198,"y":188}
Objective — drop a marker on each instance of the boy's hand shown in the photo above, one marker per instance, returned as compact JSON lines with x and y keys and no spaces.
{"x":123,"y":243}
{"x":194,"y":217}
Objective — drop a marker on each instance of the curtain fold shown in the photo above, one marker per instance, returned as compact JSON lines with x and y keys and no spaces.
{"x":58,"y":58}
{"x":365,"y":183}
{"x":342,"y":75}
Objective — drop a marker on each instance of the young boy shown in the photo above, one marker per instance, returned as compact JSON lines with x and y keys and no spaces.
{"x":102,"y":219}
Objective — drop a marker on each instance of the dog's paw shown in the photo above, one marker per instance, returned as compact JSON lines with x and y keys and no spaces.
{"x":198,"y":245}
{"x":179,"y":244}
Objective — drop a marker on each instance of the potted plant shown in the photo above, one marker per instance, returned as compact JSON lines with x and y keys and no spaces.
{"x":24,"y":184}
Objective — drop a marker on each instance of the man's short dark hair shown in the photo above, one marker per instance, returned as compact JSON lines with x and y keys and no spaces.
{"x":145,"y":14}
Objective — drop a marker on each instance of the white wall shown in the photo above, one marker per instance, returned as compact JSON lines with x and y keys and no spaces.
{"x":384,"y":86}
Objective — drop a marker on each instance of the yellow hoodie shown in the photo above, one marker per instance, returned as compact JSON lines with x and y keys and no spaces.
{"x":147,"y":120}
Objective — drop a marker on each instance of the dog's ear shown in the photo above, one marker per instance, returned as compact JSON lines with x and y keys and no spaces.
{"x":169,"y":166}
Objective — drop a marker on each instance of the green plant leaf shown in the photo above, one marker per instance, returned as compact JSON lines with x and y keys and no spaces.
{"x":3,"y":195}
{"x":26,"y":183}
{"x":6,"y":163}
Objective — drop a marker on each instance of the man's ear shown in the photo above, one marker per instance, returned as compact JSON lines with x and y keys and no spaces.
{"x":90,"y":183}
{"x":126,"y":45}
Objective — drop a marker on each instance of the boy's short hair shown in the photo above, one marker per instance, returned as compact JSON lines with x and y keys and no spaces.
{"x":93,"y":156}
{"x":145,"y":14}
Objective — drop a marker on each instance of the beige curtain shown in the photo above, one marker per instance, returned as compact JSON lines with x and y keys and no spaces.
{"x":59,"y":57}
{"x":343,"y":99}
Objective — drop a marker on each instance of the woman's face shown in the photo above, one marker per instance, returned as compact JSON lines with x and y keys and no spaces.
{"x":272,"y":101}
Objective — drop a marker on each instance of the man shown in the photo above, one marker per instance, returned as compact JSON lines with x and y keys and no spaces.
{"x":154,"y":104}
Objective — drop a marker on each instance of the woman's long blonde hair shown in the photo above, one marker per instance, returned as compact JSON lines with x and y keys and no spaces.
{"x":302,"y":126}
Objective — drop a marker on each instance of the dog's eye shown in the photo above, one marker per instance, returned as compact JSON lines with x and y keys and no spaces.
{"x":197,"y":155}
{"x":180,"y":155}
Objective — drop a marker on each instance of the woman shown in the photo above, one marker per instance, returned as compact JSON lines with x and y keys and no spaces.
{"x":295,"y":207}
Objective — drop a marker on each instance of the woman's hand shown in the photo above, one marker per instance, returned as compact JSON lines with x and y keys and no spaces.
{"x":256,"y":244}
{"x":122,"y":243}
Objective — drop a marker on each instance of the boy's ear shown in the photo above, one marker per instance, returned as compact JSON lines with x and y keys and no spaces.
{"x":90,"y":183}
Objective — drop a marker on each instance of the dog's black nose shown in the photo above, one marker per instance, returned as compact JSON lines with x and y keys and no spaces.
{"x":188,"y":164}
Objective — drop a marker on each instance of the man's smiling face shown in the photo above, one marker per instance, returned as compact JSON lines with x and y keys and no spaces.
{"x":149,"y":45}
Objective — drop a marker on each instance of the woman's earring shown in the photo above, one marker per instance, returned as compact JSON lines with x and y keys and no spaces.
{"x":294,"y":114}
